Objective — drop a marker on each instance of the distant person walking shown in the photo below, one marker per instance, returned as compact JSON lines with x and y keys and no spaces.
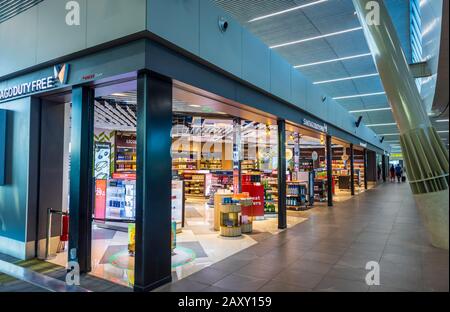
{"x":392,"y":173}
{"x":379,"y":172}
{"x":399,"y":173}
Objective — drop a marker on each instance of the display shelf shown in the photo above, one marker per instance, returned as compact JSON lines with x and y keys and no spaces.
{"x":197,"y":184}
{"x":306,"y":165}
{"x":249,"y":164}
{"x":125,"y":152}
{"x":211,"y":164}
{"x":296,"y":193}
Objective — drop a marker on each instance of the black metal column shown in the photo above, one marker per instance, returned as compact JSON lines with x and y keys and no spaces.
{"x":81,"y":177}
{"x":365,"y":169}
{"x":329,"y":171}
{"x":282,"y":223}
{"x":153,"y":184}
{"x":352,"y":170}
{"x":383,"y":167}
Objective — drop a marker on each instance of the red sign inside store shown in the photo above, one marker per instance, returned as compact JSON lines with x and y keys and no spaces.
{"x":100,"y":199}
{"x":256,"y":192}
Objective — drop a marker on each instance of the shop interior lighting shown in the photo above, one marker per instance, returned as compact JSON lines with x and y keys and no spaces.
{"x":334,"y":60}
{"x":358,"y":95}
{"x":346,"y":78}
{"x":286,"y":11}
{"x":316,"y":37}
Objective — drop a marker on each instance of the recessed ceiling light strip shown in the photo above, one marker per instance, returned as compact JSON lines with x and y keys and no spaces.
{"x":334,"y":60}
{"x":382,"y":124}
{"x":370,"y":110}
{"x":316,"y":37}
{"x":286,"y":11}
{"x":346,"y":78}
{"x":358,"y":95}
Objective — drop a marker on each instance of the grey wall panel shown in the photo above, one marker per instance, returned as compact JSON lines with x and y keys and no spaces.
{"x":13,"y":195}
{"x":18,"y":39}
{"x":255,"y":61}
{"x":280,"y":76}
{"x":223,"y":49}
{"x":176,"y":21}
{"x":54,"y":36}
{"x":111,"y":19}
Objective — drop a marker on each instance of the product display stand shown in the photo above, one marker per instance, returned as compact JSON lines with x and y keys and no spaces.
{"x":230,"y":224}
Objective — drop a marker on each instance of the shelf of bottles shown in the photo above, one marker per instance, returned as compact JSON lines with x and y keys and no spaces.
{"x":249,"y":165}
{"x":270,"y":183}
{"x":220,"y":180}
{"x":320,"y":190}
{"x":359,"y":171}
{"x":125,"y":159}
{"x":210,"y":164}
{"x":306,"y":165}
{"x":194,"y":184}
{"x":296,"y":193}
{"x":185,"y":161}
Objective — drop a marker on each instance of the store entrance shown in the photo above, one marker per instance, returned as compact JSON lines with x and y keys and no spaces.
{"x":53,"y":166}
{"x":224,"y":179}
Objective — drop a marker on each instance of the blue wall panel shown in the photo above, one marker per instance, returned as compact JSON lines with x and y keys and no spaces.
{"x":2,"y":145}
{"x":111,"y":19}
{"x":298,"y":88}
{"x":18,"y":51}
{"x":13,"y":195}
{"x":54,"y":36}
{"x":176,"y":21}
{"x":255,"y":61}
{"x":223,"y":49}
{"x":280,"y":76}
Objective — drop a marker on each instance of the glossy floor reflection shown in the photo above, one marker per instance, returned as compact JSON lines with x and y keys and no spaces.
{"x":330,"y":250}
{"x":198,"y":245}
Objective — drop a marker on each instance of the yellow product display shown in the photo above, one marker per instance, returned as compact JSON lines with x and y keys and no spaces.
{"x":131,"y":238}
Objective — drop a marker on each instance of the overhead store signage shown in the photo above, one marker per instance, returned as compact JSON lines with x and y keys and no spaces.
{"x":363,"y":144}
{"x":315,"y":125}
{"x":60,"y":76}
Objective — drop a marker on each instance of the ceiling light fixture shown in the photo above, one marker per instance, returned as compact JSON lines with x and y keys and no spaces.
{"x":382,"y":124}
{"x":334,"y":60}
{"x":442,"y":120}
{"x":370,"y":110}
{"x":388,"y":134}
{"x":358,"y":95}
{"x":443,"y":131}
{"x":194,"y":105}
{"x":286,"y":11}
{"x":346,"y":78}
{"x":316,"y":37}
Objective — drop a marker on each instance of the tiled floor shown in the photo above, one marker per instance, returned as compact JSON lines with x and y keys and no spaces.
{"x":198,"y":246}
{"x":330,"y":250}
